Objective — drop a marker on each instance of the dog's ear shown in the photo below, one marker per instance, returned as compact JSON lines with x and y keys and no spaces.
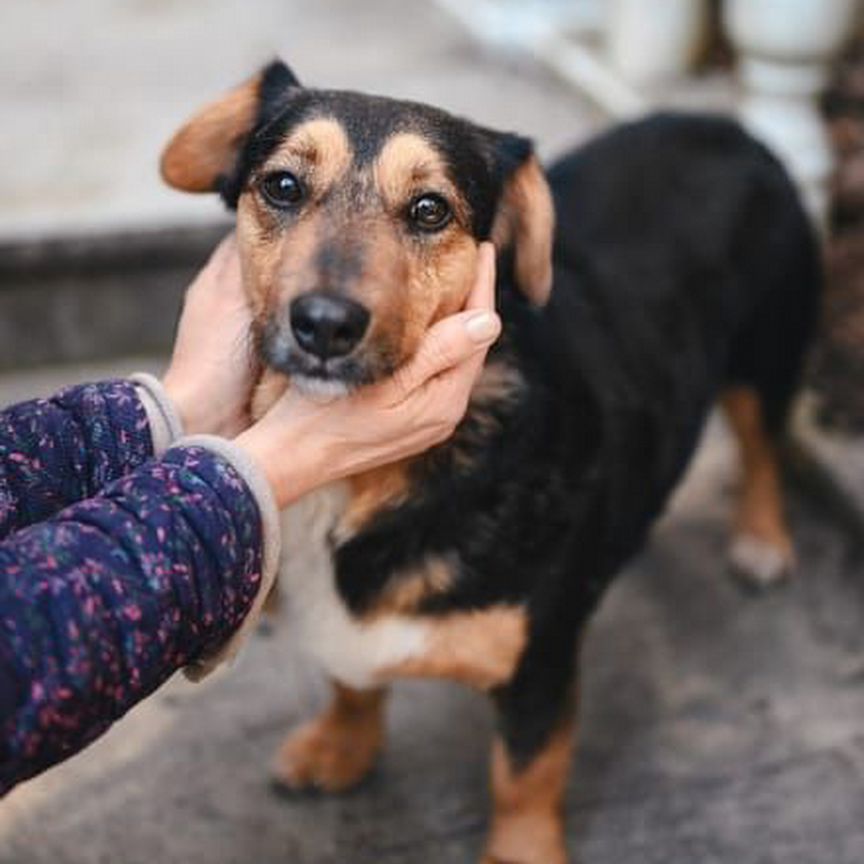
{"x":526,"y":216}
{"x":205,"y":149}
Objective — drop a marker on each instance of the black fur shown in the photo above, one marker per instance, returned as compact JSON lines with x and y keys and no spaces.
{"x":683,"y":263}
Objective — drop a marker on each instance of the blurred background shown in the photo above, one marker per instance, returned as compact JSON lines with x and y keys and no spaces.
{"x":737,"y":735}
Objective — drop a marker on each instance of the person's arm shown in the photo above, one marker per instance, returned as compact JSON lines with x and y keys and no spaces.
{"x":167,"y":567}
{"x":102,"y":603}
{"x":54,"y":452}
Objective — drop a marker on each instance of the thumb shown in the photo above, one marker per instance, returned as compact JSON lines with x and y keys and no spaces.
{"x":447,"y":344}
{"x":454,"y":339}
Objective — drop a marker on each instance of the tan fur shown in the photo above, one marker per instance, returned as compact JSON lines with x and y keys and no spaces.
{"x":317,"y":151}
{"x":261,"y":257}
{"x":408,"y":591}
{"x":480,"y":649}
{"x":406,"y":286}
{"x":207,"y":145}
{"x":527,"y":822}
{"x":760,"y":510}
{"x":527,"y":220}
{"x":439,"y":283}
{"x":338,"y":749}
{"x":373,"y":491}
{"x":276,"y":264}
{"x":408,"y":165}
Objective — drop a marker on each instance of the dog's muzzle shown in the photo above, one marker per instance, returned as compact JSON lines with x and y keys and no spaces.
{"x":319,"y":341}
{"x":327,"y":326}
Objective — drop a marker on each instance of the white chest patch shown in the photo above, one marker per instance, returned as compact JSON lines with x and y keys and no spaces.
{"x":351,"y":651}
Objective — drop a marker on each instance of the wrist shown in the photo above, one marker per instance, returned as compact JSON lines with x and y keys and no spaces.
{"x":198,"y":412}
{"x":162,"y":417}
{"x":291,"y":472}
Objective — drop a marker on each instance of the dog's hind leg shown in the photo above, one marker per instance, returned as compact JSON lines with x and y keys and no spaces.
{"x":761,"y":550}
{"x":337,"y":750}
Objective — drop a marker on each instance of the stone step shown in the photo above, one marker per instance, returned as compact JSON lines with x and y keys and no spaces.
{"x":91,"y":297}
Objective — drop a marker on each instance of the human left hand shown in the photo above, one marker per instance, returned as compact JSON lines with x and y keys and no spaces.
{"x":212,"y":367}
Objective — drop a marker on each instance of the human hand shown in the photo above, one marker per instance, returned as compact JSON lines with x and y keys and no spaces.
{"x":301,"y":444}
{"x":212,"y":369}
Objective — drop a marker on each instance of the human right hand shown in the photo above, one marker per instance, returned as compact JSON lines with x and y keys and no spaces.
{"x":301,"y":444}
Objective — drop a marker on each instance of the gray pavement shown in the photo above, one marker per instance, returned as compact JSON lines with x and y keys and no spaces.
{"x":91,"y":90}
{"x":718,"y":726}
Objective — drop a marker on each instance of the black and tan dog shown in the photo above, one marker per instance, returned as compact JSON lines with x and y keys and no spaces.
{"x":682,"y":269}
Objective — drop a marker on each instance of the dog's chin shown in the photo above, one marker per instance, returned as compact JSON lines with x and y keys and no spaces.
{"x":325,"y":380}
{"x":319,"y":389}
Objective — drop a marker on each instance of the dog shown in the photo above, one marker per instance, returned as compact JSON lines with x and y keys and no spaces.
{"x":664,"y":266}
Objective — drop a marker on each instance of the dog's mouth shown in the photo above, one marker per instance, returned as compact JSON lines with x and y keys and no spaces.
{"x":324,"y":377}
{"x":327,"y":380}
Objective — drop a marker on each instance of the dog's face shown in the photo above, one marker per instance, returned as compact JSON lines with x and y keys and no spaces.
{"x":359,"y":218}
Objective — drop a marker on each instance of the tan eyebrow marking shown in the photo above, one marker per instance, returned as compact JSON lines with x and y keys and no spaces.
{"x":320,"y":145}
{"x":407,"y":160}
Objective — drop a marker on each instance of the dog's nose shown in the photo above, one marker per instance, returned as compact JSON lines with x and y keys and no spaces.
{"x":328,"y":326}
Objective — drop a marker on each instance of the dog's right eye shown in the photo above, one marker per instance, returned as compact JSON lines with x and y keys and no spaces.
{"x":282,"y":189}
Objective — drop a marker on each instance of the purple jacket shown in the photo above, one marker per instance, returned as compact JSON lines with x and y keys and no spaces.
{"x":116,"y":568}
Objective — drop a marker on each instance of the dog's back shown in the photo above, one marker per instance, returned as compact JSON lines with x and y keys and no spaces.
{"x":684,"y":200}
{"x":685,"y":267}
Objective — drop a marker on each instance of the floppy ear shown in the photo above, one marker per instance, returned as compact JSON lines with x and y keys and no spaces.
{"x":205,"y":149}
{"x":525,"y":217}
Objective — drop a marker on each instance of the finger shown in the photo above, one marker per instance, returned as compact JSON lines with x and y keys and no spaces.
{"x":446,"y":344}
{"x":456,"y":382}
{"x":223,"y":263}
{"x":445,"y":398}
{"x":226,"y":247}
{"x":482,"y":294}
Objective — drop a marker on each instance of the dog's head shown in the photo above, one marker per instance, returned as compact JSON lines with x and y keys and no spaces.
{"x":359,"y":218}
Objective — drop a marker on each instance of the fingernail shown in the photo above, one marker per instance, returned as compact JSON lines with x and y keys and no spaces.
{"x":482,"y":327}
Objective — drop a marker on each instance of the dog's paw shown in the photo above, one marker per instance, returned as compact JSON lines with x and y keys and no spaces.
{"x":325,"y":757}
{"x":554,"y":856}
{"x":759,"y":563}
{"x":527,"y":839}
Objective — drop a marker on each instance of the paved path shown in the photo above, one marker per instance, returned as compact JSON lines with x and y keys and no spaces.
{"x":91,"y":90}
{"x":718,"y":727}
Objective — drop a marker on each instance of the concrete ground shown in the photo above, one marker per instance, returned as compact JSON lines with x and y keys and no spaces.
{"x":718,"y":726}
{"x":91,"y":91}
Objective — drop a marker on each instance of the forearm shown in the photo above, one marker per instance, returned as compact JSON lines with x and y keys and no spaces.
{"x":54,"y":452}
{"x":104,"y":602}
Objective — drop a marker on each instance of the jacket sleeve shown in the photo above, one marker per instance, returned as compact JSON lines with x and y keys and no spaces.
{"x":54,"y":452}
{"x":105,"y":601}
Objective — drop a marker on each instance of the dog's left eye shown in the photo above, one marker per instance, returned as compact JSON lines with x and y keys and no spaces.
{"x":282,"y":189}
{"x":430,"y":212}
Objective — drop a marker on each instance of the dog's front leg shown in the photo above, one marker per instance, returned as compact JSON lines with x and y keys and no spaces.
{"x":531,"y":759}
{"x":337,"y":750}
{"x":528,"y":801}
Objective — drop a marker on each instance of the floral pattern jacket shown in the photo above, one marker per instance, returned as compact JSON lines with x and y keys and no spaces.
{"x":116,"y":568}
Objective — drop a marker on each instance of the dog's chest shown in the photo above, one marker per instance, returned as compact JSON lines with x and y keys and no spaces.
{"x":351,"y":650}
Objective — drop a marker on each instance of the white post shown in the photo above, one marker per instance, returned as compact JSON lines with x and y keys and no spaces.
{"x":786,"y":49}
{"x":651,"y":42}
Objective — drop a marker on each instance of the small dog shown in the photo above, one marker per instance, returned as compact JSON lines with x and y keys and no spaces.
{"x":671,"y":264}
